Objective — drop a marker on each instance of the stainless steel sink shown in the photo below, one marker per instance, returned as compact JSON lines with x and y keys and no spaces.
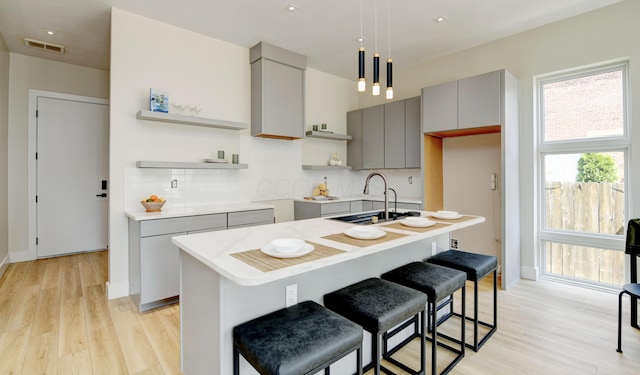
{"x":365,"y":217}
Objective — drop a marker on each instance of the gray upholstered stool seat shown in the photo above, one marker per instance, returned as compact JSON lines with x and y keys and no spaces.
{"x":437,"y":283}
{"x":301,"y":339}
{"x":379,"y":305}
{"x":476,"y":266}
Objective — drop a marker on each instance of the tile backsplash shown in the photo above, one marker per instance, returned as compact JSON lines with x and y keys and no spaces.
{"x":196,"y":187}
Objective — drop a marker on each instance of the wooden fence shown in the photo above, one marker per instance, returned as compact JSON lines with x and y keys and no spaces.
{"x":590,"y":207}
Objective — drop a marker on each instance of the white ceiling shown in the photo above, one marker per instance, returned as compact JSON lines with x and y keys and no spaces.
{"x":325,"y":31}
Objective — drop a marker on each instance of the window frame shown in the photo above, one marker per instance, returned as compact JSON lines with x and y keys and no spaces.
{"x":617,"y":143}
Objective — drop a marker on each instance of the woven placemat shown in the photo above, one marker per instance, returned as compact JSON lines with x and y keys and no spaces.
{"x":265,"y":263}
{"x":341,"y":237}
{"x":416,"y":229}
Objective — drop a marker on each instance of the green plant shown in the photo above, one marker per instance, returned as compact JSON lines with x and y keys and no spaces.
{"x":597,"y":167}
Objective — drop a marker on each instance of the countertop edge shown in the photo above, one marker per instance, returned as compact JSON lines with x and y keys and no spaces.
{"x":140,"y":215}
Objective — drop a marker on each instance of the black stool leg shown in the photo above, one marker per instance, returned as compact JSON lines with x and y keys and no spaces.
{"x":475,"y":315}
{"x":434,"y":338}
{"x":619,"y":349}
{"x":463,"y":324}
{"x":236,"y":361}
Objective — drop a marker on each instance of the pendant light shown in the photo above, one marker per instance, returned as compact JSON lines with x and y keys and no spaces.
{"x":362,"y":85}
{"x":376,"y":55}
{"x":389,"y":93}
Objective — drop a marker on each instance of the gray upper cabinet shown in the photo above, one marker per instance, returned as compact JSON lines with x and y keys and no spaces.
{"x":472,"y":102}
{"x":354,"y":146}
{"x":440,"y":107}
{"x":479,"y":101}
{"x":412,"y":132}
{"x":385,"y":136}
{"x":277,"y":92}
{"x":373,"y":137}
{"x":394,"y":131}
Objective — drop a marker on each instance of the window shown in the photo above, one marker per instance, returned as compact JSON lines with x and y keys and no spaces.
{"x":583,"y":148}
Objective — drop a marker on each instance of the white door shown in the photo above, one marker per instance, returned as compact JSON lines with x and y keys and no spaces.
{"x":72,"y":170}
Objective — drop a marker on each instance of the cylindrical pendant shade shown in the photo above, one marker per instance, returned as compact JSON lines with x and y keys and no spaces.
{"x":362,"y":86}
{"x":376,"y":74}
{"x":389,"y":94}
{"x":361,"y":63}
{"x":376,"y":68}
{"x":389,"y":73}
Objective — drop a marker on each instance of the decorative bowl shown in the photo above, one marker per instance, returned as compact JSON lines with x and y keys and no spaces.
{"x":445,"y":214}
{"x":153,"y":206}
{"x":287,"y":245}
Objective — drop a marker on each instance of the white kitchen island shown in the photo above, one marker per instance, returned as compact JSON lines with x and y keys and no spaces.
{"x":219,"y":291}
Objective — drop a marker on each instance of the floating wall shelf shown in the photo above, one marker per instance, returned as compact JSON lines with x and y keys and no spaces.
{"x":327,"y":167}
{"x":189,"y":120}
{"x":187,"y":165}
{"x":327,"y":135}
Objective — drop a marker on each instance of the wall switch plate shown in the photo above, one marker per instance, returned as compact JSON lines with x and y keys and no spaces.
{"x":454,"y":243}
{"x":291,"y":295}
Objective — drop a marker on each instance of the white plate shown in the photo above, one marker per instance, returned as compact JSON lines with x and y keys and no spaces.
{"x":216,"y":160}
{"x":446,"y":217}
{"x":372,"y":235}
{"x":418,"y":222}
{"x":304,"y":250}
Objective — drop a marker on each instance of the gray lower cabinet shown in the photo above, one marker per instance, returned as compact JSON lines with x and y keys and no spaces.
{"x":243,"y":219}
{"x":378,"y":205}
{"x":154,"y":261}
{"x":311,"y":210}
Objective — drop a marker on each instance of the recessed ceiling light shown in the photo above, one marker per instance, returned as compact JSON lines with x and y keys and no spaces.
{"x":49,"y":32}
{"x":440,"y":19}
{"x":292,"y":7}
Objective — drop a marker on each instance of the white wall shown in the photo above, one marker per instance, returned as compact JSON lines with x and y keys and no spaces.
{"x":602,"y":35}
{"x":4,"y":153}
{"x":214,"y":75}
{"x":35,"y":73}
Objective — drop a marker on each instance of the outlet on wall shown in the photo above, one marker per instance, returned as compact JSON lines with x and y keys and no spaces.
{"x":454,"y":243}
{"x":291,"y":295}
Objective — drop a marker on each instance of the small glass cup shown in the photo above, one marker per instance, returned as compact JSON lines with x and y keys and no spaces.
{"x":235,"y":158}
{"x":221,"y":154}
{"x":315,"y":127}
{"x":324,"y":126}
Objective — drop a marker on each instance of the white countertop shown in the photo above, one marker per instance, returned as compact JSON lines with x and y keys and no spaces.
{"x":166,"y":213}
{"x":363,"y":197}
{"x":213,"y":248}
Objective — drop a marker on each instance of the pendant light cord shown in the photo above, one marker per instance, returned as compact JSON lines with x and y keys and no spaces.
{"x":375,"y":24}
{"x":361,"y":37}
{"x":389,"y":25}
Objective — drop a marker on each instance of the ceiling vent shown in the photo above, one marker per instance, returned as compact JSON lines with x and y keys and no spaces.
{"x":44,"y":45}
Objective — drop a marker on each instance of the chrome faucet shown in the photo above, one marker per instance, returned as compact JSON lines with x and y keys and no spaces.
{"x":386,"y":196}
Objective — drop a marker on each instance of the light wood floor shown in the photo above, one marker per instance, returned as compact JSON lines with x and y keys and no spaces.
{"x":55,"y":319}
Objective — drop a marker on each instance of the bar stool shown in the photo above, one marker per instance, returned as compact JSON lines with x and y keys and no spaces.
{"x":301,"y":339}
{"x":476,"y":266}
{"x":378,"y":306}
{"x":437,"y":283}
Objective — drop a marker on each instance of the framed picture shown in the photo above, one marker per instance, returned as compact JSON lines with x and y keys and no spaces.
{"x":158,"y":101}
